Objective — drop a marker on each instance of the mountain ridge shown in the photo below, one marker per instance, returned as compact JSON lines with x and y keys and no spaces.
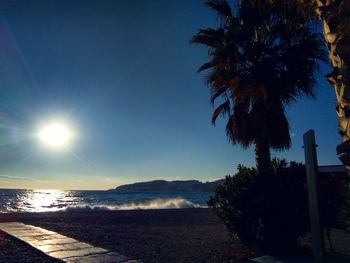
{"x":169,"y":186}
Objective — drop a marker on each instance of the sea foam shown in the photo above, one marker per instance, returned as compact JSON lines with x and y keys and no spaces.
{"x":170,"y":203}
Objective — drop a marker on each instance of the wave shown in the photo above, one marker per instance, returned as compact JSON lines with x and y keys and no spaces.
{"x":170,"y":203}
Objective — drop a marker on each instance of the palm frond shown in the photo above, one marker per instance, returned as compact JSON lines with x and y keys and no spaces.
{"x":222,"y":8}
{"x":217,"y":92}
{"x":279,"y":132}
{"x":205,"y":66}
{"x":209,"y":37}
{"x":223,"y":109}
{"x":237,"y":129}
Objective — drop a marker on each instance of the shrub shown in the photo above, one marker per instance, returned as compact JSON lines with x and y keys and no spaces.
{"x":266,"y":210}
{"x":270,"y":211}
{"x":335,"y":195}
{"x":236,"y":202}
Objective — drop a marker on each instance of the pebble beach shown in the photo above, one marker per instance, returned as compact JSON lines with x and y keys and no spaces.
{"x":163,"y":235}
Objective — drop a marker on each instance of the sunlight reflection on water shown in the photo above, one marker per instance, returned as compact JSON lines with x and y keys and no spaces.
{"x":43,"y":200}
{"x":16,"y":200}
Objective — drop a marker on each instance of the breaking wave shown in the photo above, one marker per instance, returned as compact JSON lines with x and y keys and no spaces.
{"x":171,"y":203}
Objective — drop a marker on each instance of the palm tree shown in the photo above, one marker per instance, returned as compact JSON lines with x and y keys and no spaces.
{"x":335,"y":16}
{"x":259,"y":63}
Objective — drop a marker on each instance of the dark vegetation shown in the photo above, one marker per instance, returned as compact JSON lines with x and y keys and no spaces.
{"x":260,"y":61}
{"x":335,"y":200}
{"x":263,"y":57}
{"x":270,"y":211}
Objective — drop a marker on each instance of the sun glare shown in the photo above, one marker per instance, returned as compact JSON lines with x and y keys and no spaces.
{"x":55,"y":135}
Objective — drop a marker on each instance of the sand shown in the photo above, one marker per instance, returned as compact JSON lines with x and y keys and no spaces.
{"x":174,"y":235}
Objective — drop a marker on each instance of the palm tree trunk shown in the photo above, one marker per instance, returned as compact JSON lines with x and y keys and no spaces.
{"x":336,"y":22}
{"x":262,"y":157}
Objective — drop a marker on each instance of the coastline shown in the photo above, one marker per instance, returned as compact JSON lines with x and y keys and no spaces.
{"x":162,"y":235}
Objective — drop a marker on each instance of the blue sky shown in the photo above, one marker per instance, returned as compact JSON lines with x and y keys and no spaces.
{"x":123,"y":75}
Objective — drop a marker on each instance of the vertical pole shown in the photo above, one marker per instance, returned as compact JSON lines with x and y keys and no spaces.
{"x":313,"y":194}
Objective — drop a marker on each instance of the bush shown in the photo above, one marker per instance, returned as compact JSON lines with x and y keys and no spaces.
{"x":236,"y":202}
{"x":335,"y":194}
{"x":269,"y":211}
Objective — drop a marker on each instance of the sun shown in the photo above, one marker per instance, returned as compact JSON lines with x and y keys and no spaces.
{"x":56,"y":135}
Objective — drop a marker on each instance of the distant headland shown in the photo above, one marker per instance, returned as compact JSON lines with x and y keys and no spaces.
{"x":169,"y":186}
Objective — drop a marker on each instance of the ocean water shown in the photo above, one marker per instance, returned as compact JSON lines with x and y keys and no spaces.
{"x":56,"y":200}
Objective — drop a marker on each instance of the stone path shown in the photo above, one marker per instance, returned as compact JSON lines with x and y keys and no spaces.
{"x":61,"y":247}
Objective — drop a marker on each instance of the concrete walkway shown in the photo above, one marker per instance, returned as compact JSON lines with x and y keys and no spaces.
{"x":62,"y":247}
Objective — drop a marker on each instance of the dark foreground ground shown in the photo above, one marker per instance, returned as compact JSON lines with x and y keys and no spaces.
{"x":165,"y":236}
{"x":178,"y":235}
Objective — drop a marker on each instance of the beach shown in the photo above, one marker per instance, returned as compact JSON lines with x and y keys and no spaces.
{"x":163,"y":235}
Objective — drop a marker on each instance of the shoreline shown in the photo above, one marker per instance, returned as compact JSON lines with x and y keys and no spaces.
{"x":159,"y":235}
{"x":97,"y":209}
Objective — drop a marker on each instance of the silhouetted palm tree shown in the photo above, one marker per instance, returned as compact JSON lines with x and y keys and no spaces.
{"x":259,"y":64}
{"x":335,"y":18}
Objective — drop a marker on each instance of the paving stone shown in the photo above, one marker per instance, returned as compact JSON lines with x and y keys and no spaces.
{"x":62,"y":247}
{"x":51,"y":248}
{"x":37,"y":235}
{"x":110,"y":257}
{"x":58,"y":236}
{"x":48,"y":232}
{"x":46,"y":240}
{"x":60,"y":241}
{"x":77,"y":245}
{"x":14,"y":231}
{"x":12,"y":224}
{"x":29,"y":238}
{"x":59,"y":247}
{"x":77,"y":252}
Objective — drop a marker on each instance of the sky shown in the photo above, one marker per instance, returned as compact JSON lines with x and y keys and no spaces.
{"x":122,"y":75}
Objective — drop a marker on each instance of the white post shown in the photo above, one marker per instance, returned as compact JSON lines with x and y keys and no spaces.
{"x":313,"y":194}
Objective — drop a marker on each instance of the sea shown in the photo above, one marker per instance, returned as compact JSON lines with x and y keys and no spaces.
{"x":13,"y":200}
